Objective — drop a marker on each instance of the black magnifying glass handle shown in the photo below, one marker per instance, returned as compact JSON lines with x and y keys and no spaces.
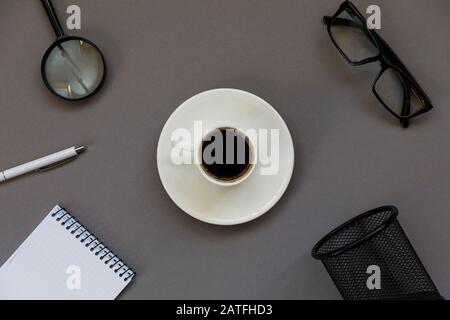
{"x":48,"y":6}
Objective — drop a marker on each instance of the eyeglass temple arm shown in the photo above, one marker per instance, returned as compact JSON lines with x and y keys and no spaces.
{"x":48,"y":6}
{"x":406,"y":110}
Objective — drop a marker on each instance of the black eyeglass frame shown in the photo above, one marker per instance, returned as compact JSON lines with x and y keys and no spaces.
{"x":388,"y":60}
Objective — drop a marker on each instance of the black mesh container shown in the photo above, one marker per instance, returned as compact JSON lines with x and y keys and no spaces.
{"x":375,"y":239}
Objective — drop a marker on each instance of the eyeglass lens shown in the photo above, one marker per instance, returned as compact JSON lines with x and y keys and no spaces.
{"x":394,"y":89}
{"x":351,"y":37}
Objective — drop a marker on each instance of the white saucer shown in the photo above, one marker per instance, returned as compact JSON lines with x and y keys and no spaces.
{"x":199,"y":197}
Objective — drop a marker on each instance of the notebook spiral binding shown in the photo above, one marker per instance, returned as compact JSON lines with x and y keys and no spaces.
{"x":91,"y":242}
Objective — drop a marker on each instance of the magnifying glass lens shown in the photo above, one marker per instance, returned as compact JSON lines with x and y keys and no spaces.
{"x":73,"y":68}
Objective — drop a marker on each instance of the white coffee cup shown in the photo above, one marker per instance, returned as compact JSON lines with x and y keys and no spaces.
{"x":197,"y":149}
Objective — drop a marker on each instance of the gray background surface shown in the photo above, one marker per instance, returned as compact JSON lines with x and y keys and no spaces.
{"x":350,"y":155}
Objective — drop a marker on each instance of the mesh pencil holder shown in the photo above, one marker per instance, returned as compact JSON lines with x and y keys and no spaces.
{"x":370,"y":258}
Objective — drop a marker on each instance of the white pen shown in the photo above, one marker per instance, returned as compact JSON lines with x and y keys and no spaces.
{"x":45,"y":163}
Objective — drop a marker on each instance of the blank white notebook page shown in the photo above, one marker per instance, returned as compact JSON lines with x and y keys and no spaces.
{"x":62,"y":260}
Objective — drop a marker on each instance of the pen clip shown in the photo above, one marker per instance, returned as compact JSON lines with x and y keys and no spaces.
{"x":56,"y":164}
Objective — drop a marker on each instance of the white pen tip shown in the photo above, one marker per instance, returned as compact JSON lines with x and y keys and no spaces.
{"x":80,"y":149}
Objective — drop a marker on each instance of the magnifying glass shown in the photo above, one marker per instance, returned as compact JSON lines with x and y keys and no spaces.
{"x":73,"y":68}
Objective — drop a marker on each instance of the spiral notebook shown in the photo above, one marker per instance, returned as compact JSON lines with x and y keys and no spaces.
{"x":62,"y":260}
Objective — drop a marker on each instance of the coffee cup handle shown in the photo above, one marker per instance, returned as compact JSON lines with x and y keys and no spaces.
{"x":185,"y":147}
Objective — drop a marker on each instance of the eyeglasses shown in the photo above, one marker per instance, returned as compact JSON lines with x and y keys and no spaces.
{"x":394,"y":86}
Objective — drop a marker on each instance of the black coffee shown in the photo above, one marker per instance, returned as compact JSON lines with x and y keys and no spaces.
{"x":226,"y":154}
